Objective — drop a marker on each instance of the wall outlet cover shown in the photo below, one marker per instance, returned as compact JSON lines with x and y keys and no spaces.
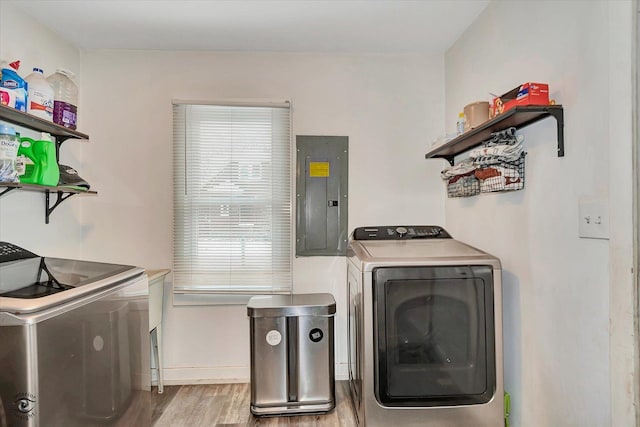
{"x":593,"y":218}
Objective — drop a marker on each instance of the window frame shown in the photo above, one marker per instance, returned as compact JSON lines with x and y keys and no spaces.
{"x":194,"y":296}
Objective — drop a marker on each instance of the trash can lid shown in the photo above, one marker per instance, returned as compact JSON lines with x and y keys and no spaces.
{"x":291,"y":305}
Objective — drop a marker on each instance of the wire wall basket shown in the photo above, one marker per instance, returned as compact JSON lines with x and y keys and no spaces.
{"x":502,"y":176}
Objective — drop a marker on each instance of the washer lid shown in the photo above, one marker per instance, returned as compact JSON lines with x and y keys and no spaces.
{"x":376,"y":253}
{"x":419,"y":249}
{"x":33,"y":284}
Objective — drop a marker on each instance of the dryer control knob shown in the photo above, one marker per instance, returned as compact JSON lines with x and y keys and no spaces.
{"x":401,"y":231}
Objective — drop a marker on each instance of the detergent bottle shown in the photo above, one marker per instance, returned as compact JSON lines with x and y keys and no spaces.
{"x":65,"y":98}
{"x":41,"y":167}
{"x":40,"y":95}
{"x":8,"y":153}
{"x":13,"y":88}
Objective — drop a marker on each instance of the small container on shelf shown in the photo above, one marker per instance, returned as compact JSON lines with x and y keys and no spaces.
{"x":475,"y":114}
{"x":460,"y":124}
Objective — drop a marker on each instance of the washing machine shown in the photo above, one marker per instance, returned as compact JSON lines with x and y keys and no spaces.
{"x":74,"y":346}
{"x":425,"y":329}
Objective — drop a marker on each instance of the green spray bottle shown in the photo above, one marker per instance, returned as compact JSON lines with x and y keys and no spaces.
{"x":42,"y":169}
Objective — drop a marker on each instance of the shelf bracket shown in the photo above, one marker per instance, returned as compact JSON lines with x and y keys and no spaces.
{"x":58,"y":140}
{"x":559,"y":116}
{"x":6,"y":190}
{"x":49,"y":209}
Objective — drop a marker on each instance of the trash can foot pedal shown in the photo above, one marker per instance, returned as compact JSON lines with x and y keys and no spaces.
{"x":279,"y":411}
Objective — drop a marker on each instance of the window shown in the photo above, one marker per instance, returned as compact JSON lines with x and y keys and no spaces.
{"x":232,"y":199}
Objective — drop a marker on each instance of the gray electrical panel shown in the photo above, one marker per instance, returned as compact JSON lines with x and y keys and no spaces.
{"x":322,"y":170}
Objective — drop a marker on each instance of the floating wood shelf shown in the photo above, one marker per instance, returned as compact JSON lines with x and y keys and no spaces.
{"x":517,"y":117}
{"x":60,"y":133}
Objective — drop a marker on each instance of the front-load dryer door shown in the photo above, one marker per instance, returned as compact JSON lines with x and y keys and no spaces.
{"x":434,"y":334}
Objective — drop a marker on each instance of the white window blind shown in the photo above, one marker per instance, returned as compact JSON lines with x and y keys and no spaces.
{"x":232,"y":199}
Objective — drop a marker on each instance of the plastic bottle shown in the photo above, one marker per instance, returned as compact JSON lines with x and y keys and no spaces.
{"x":8,"y":152}
{"x":42,"y":168}
{"x":20,"y":159}
{"x":65,"y":98}
{"x":13,"y":88}
{"x":40,"y":99}
{"x":460,"y":124}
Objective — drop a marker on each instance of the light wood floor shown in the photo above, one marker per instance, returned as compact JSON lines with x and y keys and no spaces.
{"x":227,"y":405}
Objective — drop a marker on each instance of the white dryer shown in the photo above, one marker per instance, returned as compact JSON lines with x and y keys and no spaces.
{"x":425,"y":329}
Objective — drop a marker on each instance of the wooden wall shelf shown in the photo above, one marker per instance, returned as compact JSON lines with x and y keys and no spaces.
{"x":517,"y":117}
{"x":62,"y":194}
{"x":60,"y":134}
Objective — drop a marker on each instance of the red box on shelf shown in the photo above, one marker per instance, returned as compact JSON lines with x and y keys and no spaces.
{"x":526,"y":94}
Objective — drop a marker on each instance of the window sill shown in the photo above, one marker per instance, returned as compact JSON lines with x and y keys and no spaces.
{"x":194,"y":299}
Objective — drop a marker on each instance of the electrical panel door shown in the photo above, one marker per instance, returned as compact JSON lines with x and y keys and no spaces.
{"x":321,"y":195}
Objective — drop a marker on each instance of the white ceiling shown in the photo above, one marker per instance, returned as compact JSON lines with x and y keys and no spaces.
{"x":363,"y":26}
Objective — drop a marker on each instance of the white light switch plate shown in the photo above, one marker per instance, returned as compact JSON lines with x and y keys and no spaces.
{"x":593,"y":219}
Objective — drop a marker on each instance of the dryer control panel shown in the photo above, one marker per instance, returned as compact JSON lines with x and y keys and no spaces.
{"x":400,"y":232}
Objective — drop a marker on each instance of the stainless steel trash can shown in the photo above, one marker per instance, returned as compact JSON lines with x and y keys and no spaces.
{"x":292,"y":354}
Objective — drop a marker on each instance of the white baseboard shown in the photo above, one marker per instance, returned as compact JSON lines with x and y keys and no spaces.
{"x":221,"y":375}
{"x":207,"y":375}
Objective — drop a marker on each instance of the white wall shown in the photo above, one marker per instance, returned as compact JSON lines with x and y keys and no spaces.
{"x":389,"y":106}
{"x":22,"y":213}
{"x":560,"y":291}
{"x":623,"y":293}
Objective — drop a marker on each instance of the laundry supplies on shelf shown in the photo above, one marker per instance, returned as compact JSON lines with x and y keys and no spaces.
{"x":13,"y":88}
{"x":9,"y":143}
{"x":55,"y":136}
{"x":40,"y":99}
{"x":65,"y":98}
{"x":42,"y":168}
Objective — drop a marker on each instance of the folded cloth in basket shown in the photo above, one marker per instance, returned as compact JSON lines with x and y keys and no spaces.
{"x":493,"y":171}
{"x":501,"y":183}
{"x":490,"y":155}
{"x":457,"y":177}
{"x":486,"y":173}
{"x":503,"y":137}
{"x":467,"y":185}
{"x":462,"y":168}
